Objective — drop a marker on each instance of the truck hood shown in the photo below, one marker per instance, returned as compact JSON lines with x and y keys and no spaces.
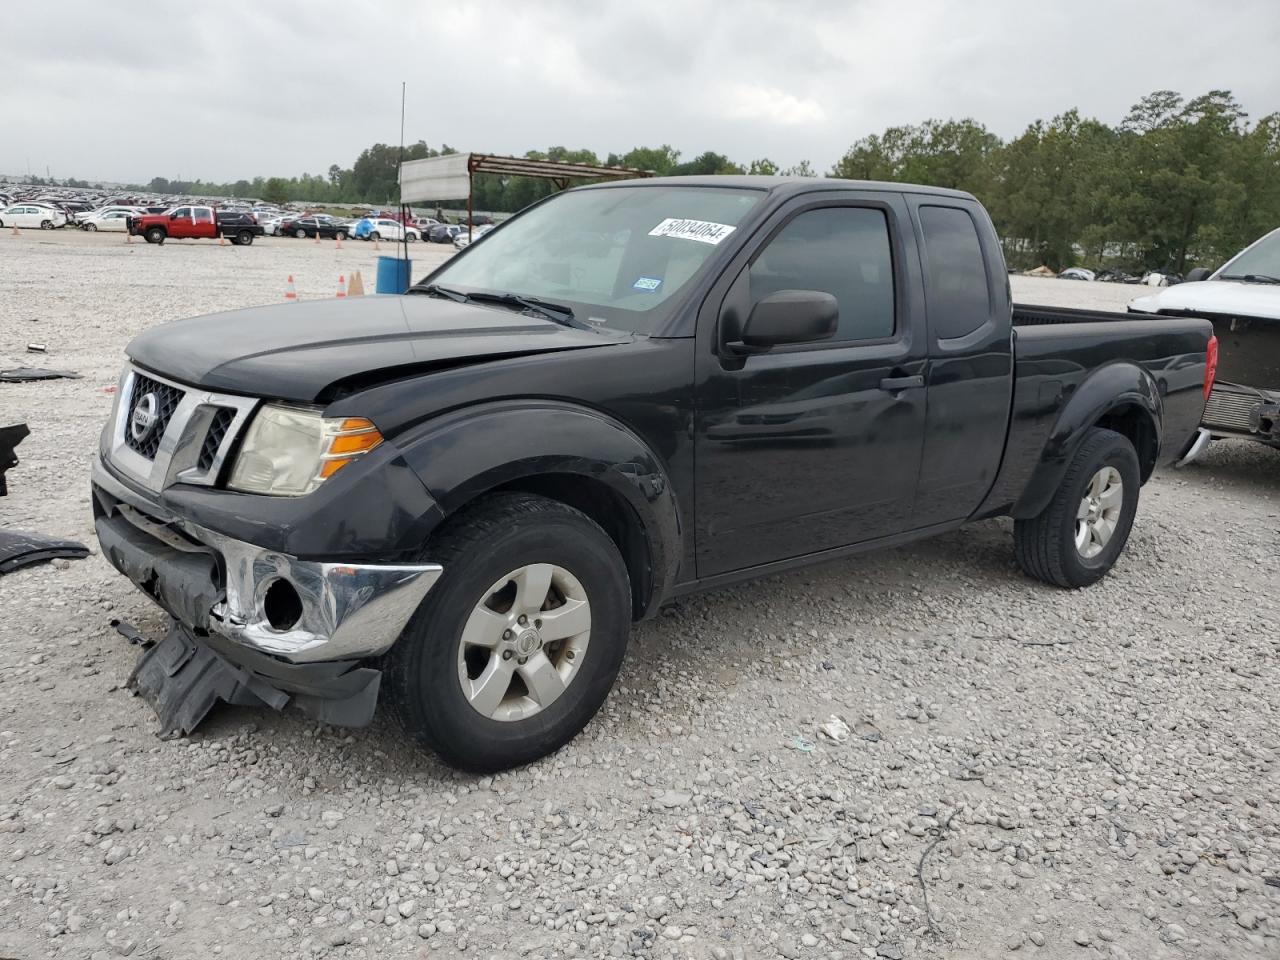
{"x":307,"y":352}
{"x":1225,"y":297}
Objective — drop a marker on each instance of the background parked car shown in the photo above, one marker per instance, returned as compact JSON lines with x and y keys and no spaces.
{"x":325,"y":226}
{"x":466,"y":237}
{"x":384,"y":229}
{"x":32,"y":215}
{"x":443,"y":232}
{"x":111,"y":218}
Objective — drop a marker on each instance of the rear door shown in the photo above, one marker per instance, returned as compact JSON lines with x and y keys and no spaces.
{"x":970,"y":373}
{"x":810,"y":447}
{"x":203,"y":222}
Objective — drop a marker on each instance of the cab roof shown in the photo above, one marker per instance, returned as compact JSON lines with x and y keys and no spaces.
{"x":784,"y":186}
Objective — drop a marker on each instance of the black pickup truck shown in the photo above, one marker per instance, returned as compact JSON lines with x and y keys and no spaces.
{"x":462,"y":497}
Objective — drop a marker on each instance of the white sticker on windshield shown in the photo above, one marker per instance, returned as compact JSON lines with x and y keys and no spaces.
{"x":701,"y":230}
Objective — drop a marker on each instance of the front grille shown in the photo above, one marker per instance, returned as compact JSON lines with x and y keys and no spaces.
{"x":1230,"y":411}
{"x":166,"y":400}
{"x":218,"y":428}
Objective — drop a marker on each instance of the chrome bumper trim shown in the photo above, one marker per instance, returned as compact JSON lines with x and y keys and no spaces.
{"x":349,"y":611}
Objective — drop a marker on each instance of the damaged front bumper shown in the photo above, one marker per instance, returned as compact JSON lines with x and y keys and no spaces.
{"x":299,"y":627}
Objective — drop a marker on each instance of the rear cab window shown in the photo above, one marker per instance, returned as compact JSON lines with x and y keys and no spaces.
{"x":958,"y":294}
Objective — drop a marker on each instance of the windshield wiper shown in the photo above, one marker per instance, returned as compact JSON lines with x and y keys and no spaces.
{"x":1251,"y":277}
{"x":555,"y":312}
{"x":435,"y":290}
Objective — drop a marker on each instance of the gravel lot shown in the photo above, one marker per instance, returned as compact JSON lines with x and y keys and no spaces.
{"x":1085,"y":774}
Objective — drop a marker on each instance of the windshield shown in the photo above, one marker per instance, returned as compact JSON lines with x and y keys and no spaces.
{"x":614,"y":255}
{"x":1260,"y":260}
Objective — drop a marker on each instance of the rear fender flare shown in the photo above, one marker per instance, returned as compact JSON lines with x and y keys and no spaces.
{"x":472,"y":451}
{"x":1110,"y":387}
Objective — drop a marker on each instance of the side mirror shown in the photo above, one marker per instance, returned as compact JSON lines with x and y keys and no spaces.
{"x":790,"y":316}
{"x":1199,"y":273}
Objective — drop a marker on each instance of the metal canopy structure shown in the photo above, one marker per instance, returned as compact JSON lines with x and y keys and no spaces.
{"x":452,"y":177}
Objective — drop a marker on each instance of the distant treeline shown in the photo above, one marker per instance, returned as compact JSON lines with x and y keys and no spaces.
{"x":1177,"y":181}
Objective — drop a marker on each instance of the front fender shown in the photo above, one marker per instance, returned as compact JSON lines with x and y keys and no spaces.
{"x":1108,"y":388}
{"x":471,"y":451}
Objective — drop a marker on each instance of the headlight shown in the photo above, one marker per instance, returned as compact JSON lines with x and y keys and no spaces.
{"x":289,"y":451}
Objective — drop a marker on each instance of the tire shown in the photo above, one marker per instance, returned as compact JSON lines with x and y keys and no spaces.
{"x":375,"y":235}
{"x":1048,"y":545}
{"x":483,"y":546}
{"x":341,"y":235}
{"x":245,"y":237}
{"x":410,"y":238}
{"x":46,"y":224}
{"x":300,"y":233}
{"x":155,"y":235}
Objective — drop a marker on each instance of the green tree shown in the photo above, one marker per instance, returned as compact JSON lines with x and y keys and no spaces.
{"x":276,"y":190}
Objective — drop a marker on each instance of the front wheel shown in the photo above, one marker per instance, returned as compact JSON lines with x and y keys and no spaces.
{"x":518,"y":644}
{"x":341,"y":234}
{"x":1077,"y":538}
{"x":155,"y":235}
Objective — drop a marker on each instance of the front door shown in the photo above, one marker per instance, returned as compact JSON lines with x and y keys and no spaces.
{"x":811,"y":447}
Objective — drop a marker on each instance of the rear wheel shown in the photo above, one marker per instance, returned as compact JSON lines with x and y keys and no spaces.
{"x":299,"y":233}
{"x":46,"y":224}
{"x":91,"y":227}
{"x":245,"y":237}
{"x":410,"y":237}
{"x":1077,"y":538}
{"x":516,"y":647}
{"x":341,"y":235}
{"x":375,"y":235}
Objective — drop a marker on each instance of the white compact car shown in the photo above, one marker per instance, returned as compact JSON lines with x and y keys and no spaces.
{"x":115,"y":219}
{"x":32,"y":215}
{"x":384,"y":229}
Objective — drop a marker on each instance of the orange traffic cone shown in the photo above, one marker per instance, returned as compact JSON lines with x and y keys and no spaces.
{"x":375,"y":242}
{"x":342,"y":286}
{"x":337,"y":245}
{"x":128,"y":236}
{"x":356,"y":288}
{"x":222,"y":241}
{"x":15,"y":231}
{"x":317,"y":234}
{"x":290,"y":291}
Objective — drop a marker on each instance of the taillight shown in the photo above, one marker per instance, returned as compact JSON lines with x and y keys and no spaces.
{"x":1210,"y":365}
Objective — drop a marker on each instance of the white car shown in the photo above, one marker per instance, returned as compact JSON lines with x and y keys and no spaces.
{"x":1242,"y":301}
{"x":392,"y":230}
{"x":271,"y":223}
{"x":463,"y":238}
{"x":32,"y":215}
{"x":112,"y":218}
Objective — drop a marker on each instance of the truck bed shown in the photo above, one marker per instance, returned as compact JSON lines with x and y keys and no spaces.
{"x":1030,"y":315}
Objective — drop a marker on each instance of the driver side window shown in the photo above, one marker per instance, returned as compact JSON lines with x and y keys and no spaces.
{"x":843,"y":251}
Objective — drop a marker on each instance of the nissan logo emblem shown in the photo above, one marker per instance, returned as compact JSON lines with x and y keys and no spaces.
{"x":143,"y":419}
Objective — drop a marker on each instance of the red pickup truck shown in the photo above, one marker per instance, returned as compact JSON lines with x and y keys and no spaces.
{"x":196,"y":222}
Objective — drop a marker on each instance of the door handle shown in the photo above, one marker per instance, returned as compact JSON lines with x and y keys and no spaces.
{"x":895,"y":384}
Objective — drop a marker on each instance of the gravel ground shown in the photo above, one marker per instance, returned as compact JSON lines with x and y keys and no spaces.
{"x":1081,"y":774}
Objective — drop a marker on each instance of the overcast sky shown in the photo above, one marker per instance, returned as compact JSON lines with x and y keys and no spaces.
{"x":126,"y":90}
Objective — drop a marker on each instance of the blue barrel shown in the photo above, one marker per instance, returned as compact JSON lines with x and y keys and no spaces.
{"x":393,"y":274}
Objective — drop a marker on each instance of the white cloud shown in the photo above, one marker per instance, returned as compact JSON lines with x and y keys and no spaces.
{"x":749,"y":101}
